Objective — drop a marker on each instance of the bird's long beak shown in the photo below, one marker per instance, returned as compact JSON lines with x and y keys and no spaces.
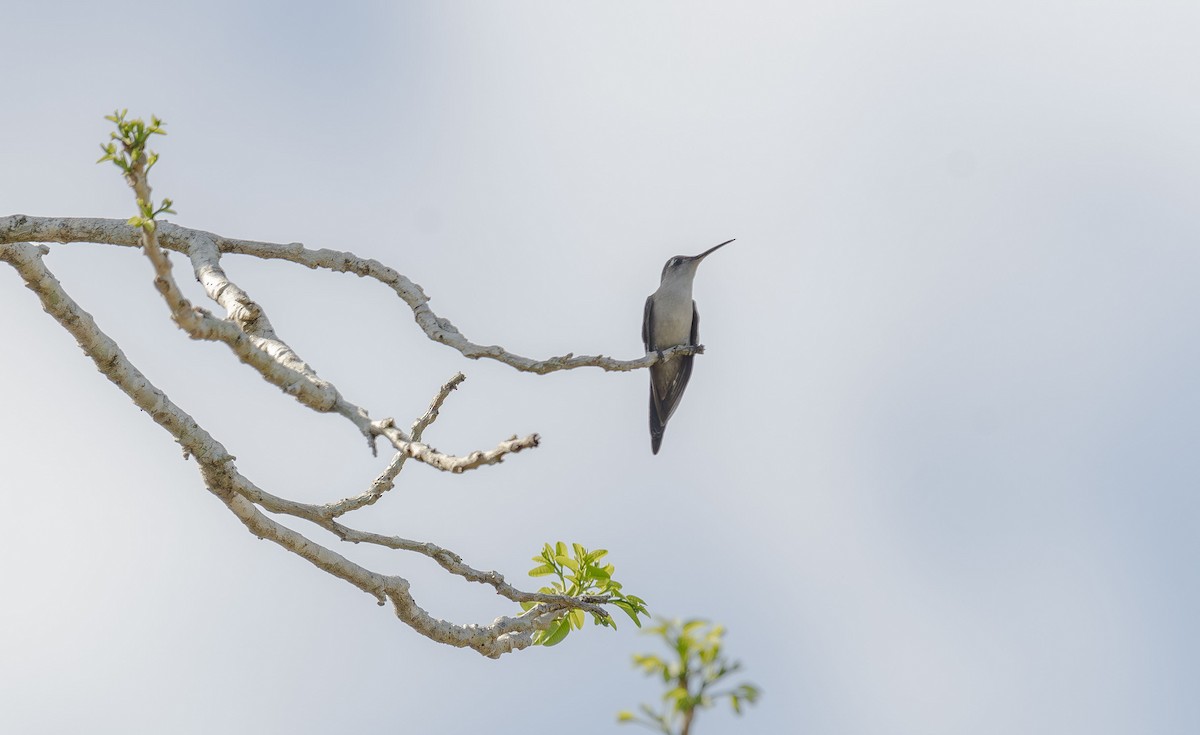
{"x":711,"y":250}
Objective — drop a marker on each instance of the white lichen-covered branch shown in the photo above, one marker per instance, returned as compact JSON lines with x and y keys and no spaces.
{"x":244,"y":499}
{"x":204,"y":250}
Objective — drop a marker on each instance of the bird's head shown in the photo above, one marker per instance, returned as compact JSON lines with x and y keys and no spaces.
{"x":682,"y":265}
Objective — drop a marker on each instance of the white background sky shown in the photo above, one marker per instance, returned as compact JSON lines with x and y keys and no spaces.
{"x":936,"y":472}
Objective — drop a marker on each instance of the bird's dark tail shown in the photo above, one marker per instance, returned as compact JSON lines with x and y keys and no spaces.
{"x":656,"y":426}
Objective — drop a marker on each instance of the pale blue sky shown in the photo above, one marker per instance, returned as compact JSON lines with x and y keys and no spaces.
{"x":935,"y":473}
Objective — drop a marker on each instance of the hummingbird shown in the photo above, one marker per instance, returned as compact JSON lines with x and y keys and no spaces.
{"x":671,"y":319}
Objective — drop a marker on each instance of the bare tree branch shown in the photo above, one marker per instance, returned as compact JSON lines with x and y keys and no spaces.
{"x":247,"y":330}
{"x":243,"y":498}
{"x":173,"y":237}
{"x":386,"y":479}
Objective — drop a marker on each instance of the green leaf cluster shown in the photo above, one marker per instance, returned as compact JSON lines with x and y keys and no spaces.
{"x":127,"y":150}
{"x":580,"y":573}
{"x":131,"y":135}
{"x":692,"y":673}
{"x":145,"y":220}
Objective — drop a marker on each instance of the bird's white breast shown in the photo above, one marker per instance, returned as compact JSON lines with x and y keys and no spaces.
{"x":672,"y":317}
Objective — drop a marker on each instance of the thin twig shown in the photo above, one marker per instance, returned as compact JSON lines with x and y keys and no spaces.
{"x":387,"y":479}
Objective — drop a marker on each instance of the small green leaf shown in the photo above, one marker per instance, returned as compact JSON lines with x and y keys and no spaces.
{"x":649,"y":663}
{"x":629,"y":610}
{"x":542,"y":571}
{"x":556,"y":632}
